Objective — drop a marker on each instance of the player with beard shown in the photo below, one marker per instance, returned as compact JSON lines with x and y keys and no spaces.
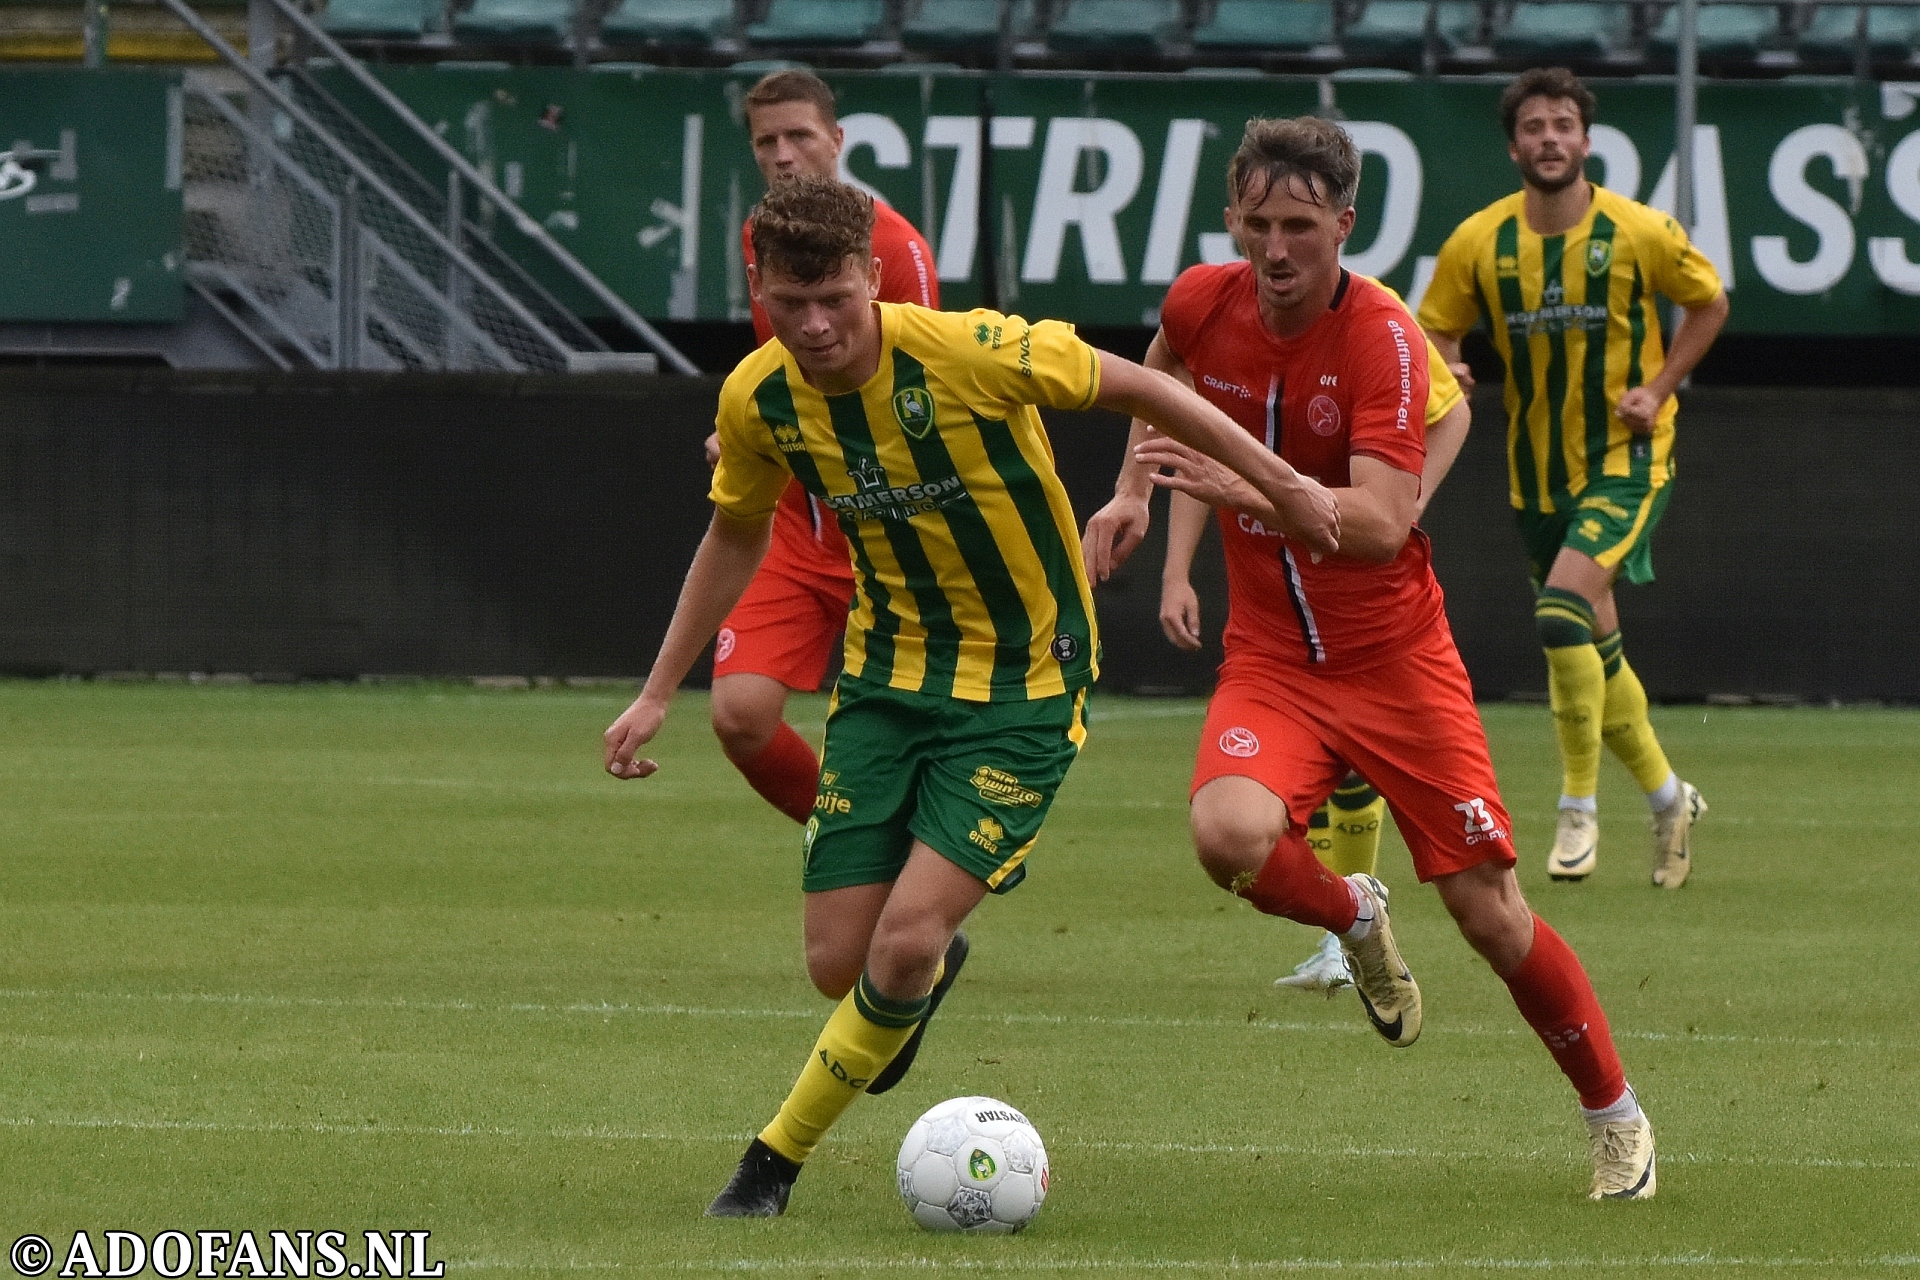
{"x":1345,"y":660}
{"x":1565,"y":273}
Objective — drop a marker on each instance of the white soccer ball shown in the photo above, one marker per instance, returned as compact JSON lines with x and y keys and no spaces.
{"x":973,"y":1164}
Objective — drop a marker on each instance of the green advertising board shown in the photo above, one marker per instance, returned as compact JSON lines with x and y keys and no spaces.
{"x":1082,"y":196}
{"x":90,"y":195}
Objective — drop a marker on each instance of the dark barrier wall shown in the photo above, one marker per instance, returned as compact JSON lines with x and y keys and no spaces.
{"x":324,"y":526}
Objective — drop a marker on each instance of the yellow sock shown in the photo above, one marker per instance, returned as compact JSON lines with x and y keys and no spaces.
{"x":860,"y":1038}
{"x":1576,"y":685}
{"x":1355,"y":815}
{"x":1624,"y":725}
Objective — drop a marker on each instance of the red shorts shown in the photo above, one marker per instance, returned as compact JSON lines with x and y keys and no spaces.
{"x":787,"y":626}
{"x":1408,"y":726}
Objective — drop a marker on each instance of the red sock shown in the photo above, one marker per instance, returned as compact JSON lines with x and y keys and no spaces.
{"x":1558,"y":1002}
{"x":1295,"y":884}
{"x":786,"y":773}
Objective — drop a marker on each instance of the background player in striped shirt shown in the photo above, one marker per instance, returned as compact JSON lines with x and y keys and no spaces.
{"x":1345,"y":661}
{"x":1345,"y":832}
{"x":782,"y":634}
{"x":1565,"y":273}
{"x":971,"y":646}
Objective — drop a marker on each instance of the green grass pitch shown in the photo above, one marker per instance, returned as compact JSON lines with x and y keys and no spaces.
{"x":402,"y":957}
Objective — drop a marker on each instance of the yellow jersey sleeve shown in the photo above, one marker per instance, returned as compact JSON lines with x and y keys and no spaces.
{"x":1443,"y":389}
{"x":751,"y":474}
{"x":1677,"y":268}
{"x":1043,"y":363}
{"x":1451,"y":306}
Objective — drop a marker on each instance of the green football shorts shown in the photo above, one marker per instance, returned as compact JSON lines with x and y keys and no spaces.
{"x":1612,"y":520}
{"x":974,"y":780}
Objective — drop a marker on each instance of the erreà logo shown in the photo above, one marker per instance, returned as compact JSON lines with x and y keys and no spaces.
{"x":980,"y":1165}
{"x":913,"y":406}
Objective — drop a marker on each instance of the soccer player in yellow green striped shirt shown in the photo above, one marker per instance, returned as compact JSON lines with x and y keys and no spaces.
{"x":1564,"y":273}
{"x":971,"y":644}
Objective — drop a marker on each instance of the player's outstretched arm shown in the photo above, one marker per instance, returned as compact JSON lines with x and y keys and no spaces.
{"x":1303,"y":508}
{"x":1376,"y":510}
{"x":729,"y":555}
{"x":1118,"y":528}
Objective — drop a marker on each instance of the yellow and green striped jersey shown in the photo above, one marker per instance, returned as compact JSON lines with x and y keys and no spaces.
{"x":1573,"y":316}
{"x":964,"y":545}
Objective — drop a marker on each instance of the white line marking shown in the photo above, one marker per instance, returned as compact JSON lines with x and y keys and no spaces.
{"x":601,"y":1133}
{"x":605,"y":1008}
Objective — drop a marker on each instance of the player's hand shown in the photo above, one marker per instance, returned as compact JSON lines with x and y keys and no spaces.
{"x":712,"y":448}
{"x":1112,"y":535}
{"x":634,"y":729}
{"x":1311,"y":513}
{"x":1191,"y":472}
{"x":1638,"y":408}
{"x":1180,"y":614}
{"x":1463,"y":374}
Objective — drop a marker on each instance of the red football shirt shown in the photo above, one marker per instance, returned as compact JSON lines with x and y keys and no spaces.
{"x":1353,"y":383}
{"x":806,"y":537}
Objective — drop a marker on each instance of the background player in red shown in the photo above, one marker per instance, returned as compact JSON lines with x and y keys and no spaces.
{"x":784,"y":632}
{"x":1347,"y":661}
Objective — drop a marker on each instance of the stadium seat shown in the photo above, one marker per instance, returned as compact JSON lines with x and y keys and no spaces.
{"x":1893,"y":31}
{"x":1398,"y":28}
{"x":689,"y":23}
{"x":516,"y":22}
{"x":1267,"y":26}
{"x":1551,"y":32}
{"x":383,"y":19}
{"x":1114,"y":26}
{"x":820,"y":22}
{"x":948,"y":26}
{"x":1737,"y":32}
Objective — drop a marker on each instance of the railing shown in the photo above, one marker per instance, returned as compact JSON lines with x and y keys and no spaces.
{"x":326,"y":248}
{"x":462,"y":170}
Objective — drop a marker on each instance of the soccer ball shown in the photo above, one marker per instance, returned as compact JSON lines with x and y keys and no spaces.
{"x":973,"y":1164}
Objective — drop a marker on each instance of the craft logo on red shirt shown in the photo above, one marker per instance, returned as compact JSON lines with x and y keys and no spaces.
{"x":1239,"y":743}
{"x":1323,"y":415}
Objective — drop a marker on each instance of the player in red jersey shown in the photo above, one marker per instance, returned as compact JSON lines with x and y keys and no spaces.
{"x":1347,"y":661}
{"x":783,"y":634}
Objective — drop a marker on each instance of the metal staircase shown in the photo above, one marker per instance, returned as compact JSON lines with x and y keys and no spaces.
{"x":328,"y":250}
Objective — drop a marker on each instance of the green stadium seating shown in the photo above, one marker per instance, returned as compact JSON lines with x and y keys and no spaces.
{"x":1398,"y":28}
{"x":688,"y":23}
{"x":1727,"y":32}
{"x":1893,"y":31}
{"x":1114,"y":27}
{"x":1565,"y":32}
{"x":383,"y":19}
{"x":516,"y":22}
{"x":946,"y":26}
{"x":1267,"y":26}
{"x":820,"y":22}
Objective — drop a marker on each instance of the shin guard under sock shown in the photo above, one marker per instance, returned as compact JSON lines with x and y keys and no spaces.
{"x":862,"y":1036}
{"x":1558,"y":1002}
{"x":1576,"y":685}
{"x":1295,"y":884}
{"x":786,"y":773}
{"x":1356,"y":815}
{"x":1624,"y":724}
